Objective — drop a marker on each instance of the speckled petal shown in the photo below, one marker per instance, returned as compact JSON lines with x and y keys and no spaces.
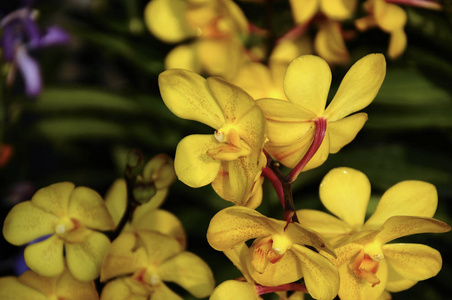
{"x":323,"y":223}
{"x":13,"y":289}
{"x":46,"y":257}
{"x":54,"y":198}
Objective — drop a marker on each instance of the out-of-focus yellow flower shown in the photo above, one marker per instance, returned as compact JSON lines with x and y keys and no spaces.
{"x":33,"y":286}
{"x":304,"y":10}
{"x":232,"y":158}
{"x":68,"y":216}
{"x":291,"y":124}
{"x":261,"y":81}
{"x":367,"y":264}
{"x":329,"y":43}
{"x":218,"y":27}
{"x":279,"y":254}
{"x":389,"y":18}
{"x":153,"y":258}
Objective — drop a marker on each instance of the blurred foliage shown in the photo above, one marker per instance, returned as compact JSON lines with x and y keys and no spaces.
{"x":101,"y":99}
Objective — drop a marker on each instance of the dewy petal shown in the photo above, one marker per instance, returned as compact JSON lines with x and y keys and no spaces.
{"x":399,"y":226}
{"x":190,"y":272}
{"x":320,"y":275}
{"x":397,"y":43}
{"x":234,"y":289}
{"x":234,"y":225}
{"x":389,"y":16}
{"x":346,"y":192}
{"x":27,"y":222}
{"x":84,"y":260}
{"x":358,"y":88}
{"x":186,"y":94}
{"x":30,"y":71}
{"x":338,"y":9}
{"x":323,"y":223}
{"x":166,"y":20}
{"x":307,"y":82}
{"x":342,"y":132}
{"x":184,"y":56}
{"x":46,"y":257}
{"x":192,"y":164}
{"x":88,"y":207}
{"x":12,"y":289}
{"x":116,"y":200}
{"x":233,"y":101}
{"x":161,"y":221}
{"x":409,"y":198}
{"x":124,"y":257}
{"x":329,"y":43}
{"x":413,"y":261}
{"x":302,"y":11}
{"x":54,"y":198}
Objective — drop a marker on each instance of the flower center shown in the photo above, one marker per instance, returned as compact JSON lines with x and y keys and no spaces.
{"x":269,"y":250}
{"x":366,"y":268}
{"x":231,"y":146}
{"x":63,"y":226}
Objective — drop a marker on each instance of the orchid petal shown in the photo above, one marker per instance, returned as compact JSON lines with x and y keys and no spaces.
{"x":125,"y":288}
{"x":30,"y":71}
{"x":8,"y":42}
{"x":186,"y":94}
{"x":303,"y":236}
{"x":160,"y":170}
{"x":54,"y":198}
{"x":353,"y":286}
{"x":234,"y":225}
{"x":389,"y":16}
{"x":399,"y":226}
{"x":116,"y":200}
{"x":88,"y":207}
{"x":284,"y":111}
{"x":54,"y":35}
{"x":329,"y":43}
{"x":320,"y":275}
{"x":237,"y":256}
{"x":27,"y":222}
{"x":70,"y":288}
{"x":159,"y":247}
{"x":287,"y":49}
{"x":320,"y":155}
{"x":192,"y":164}
{"x":323,"y":223}
{"x":410,"y":198}
{"x":302,"y":11}
{"x":123,"y":257}
{"x":163,"y":292}
{"x":358,"y":88}
{"x":84,"y":259}
{"x":251,"y":126}
{"x":155,"y":202}
{"x":190,"y":272}
{"x":342,"y":132}
{"x":413,"y":261}
{"x":166,"y":20}
{"x":46,"y":257}
{"x":286,"y":133}
{"x":45,"y":285}
{"x":289,"y":155}
{"x":397,"y":282}
{"x":13,"y":289}
{"x":338,"y":9}
{"x":397,"y":43}
{"x":234,"y":289}
{"x":346,"y":192}
{"x":307,"y":82}
{"x":161,"y":221}
{"x":184,"y":56}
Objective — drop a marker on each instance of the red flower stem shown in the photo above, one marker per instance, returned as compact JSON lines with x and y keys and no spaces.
{"x":297,"y":287}
{"x":270,"y":175}
{"x":418,"y":3}
{"x":320,"y":131}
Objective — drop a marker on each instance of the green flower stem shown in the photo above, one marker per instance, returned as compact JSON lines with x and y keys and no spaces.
{"x":320,"y":131}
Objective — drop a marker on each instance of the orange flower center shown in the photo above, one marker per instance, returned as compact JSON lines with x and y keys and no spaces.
{"x":365,"y":267}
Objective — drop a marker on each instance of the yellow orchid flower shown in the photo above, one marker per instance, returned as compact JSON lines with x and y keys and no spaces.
{"x":231,"y":159}
{"x":31,"y":285}
{"x":302,"y":124}
{"x":218,"y":27}
{"x":279,"y":254}
{"x":303,"y":11}
{"x":153,"y":258}
{"x":389,"y":18}
{"x":329,"y":43}
{"x":367,"y":264}
{"x":67,"y":215}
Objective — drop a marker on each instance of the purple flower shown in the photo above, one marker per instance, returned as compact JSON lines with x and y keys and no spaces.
{"x":21,"y":34}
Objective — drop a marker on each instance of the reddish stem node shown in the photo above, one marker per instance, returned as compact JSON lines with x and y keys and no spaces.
{"x":297,"y":287}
